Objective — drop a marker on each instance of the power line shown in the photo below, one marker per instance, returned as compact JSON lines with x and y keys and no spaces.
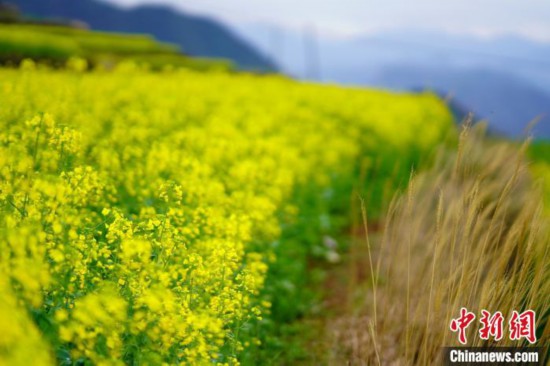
{"x":311,"y":54}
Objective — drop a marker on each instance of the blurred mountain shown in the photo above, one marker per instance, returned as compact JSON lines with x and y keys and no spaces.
{"x":508,"y":103}
{"x":505,"y":80}
{"x":197,"y":36}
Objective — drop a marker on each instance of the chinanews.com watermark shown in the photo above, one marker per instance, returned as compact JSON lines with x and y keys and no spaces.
{"x":520,"y":327}
{"x":494,"y":355}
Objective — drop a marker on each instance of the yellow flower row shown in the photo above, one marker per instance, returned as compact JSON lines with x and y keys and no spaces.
{"x":136,"y":209}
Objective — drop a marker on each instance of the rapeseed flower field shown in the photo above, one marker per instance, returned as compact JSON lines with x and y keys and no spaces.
{"x":140,"y":212}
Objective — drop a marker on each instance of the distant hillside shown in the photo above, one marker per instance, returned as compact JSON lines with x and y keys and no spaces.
{"x":507,"y":102}
{"x":195,"y":35}
{"x":62,"y":46}
{"x":505,"y":80}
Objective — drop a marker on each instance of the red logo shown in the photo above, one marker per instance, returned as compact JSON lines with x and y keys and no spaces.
{"x":523,"y":326}
{"x":461,"y":323}
{"x":491,"y":325}
{"x":520,"y":325}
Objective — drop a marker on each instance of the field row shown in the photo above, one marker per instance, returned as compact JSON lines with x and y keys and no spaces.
{"x":140,"y":213}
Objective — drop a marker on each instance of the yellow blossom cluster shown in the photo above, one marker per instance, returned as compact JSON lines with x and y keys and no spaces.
{"x":137,"y":208}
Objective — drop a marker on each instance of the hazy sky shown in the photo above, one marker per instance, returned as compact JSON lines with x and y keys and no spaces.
{"x":529,"y":18}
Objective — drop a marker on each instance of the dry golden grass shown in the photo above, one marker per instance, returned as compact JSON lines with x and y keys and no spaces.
{"x":468,"y":233}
